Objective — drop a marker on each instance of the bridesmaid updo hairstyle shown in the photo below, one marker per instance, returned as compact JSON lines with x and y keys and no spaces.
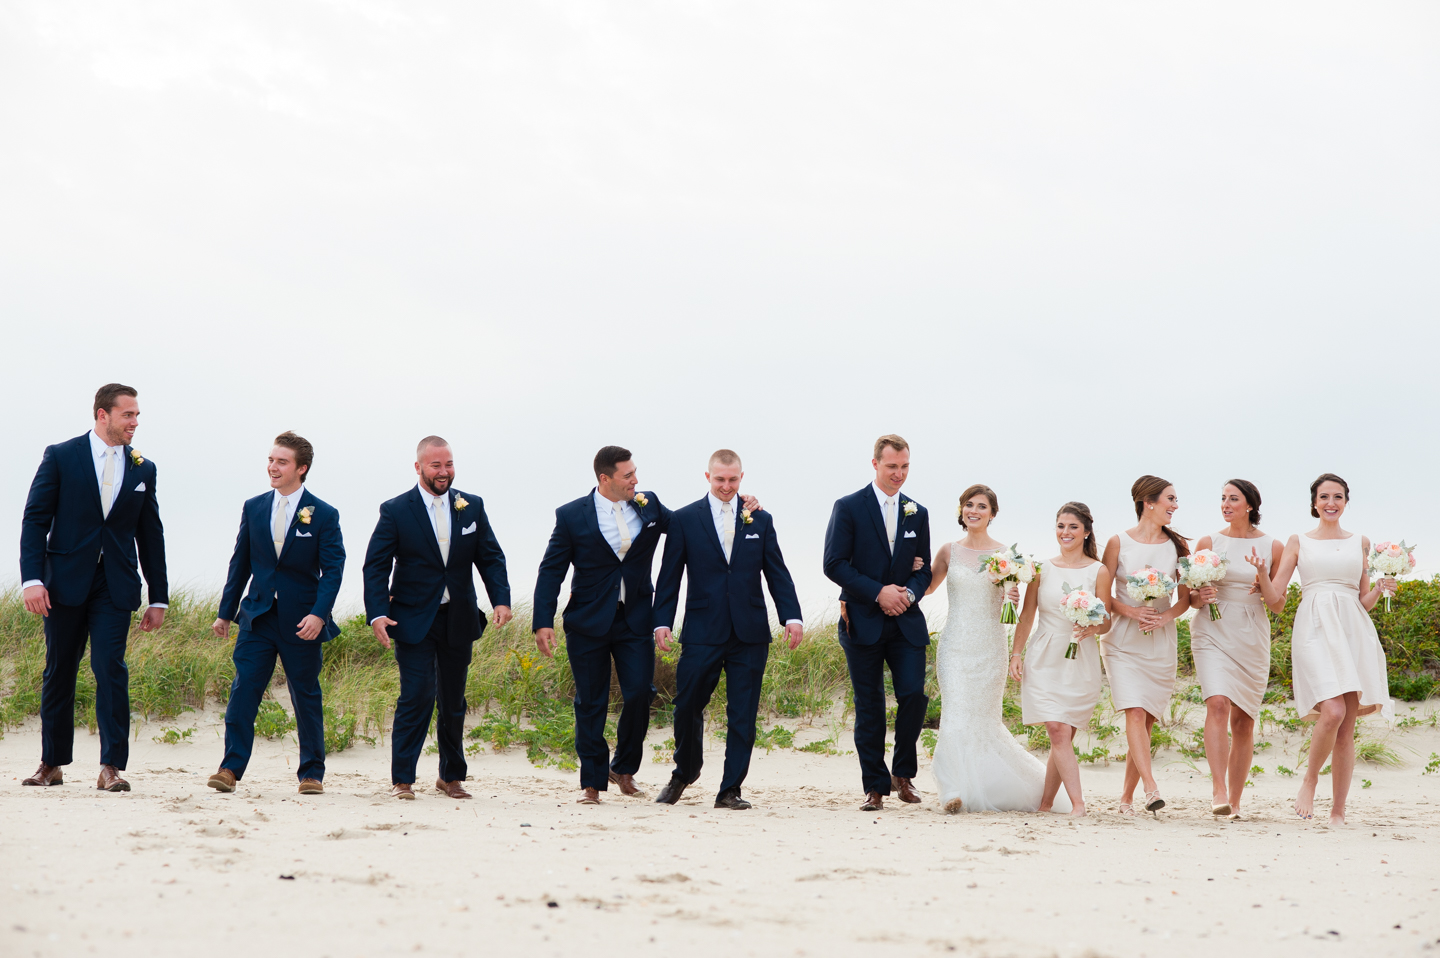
{"x":1252,"y":497}
{"x":971,"y":493}
{"x":1148,"y":489}
{"x":1082,"y":512}
{"x":1315,"y":489}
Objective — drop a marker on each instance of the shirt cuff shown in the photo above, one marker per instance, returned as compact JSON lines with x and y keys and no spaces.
{"x":159,"y":605}
{"x":378,"y":618}
{"x":29,"y":582}
{"x":794,"y":622}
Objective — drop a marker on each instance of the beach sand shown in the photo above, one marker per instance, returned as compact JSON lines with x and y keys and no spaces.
{"x":174,"y":868}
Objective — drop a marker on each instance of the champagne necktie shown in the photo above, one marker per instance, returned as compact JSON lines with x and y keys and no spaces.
{"x":442,"y":533}
{"x":277,"y":525}
{"x":624,"y":529}
{"x":890,"y":523}
{"x":727,"y":523}
{"x":107,"y":484}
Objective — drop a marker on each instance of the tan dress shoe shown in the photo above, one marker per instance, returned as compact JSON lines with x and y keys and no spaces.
{"x":454,"y":789}
{"x":402,"y":790}
{"x":626,"y":783}
{"x":110,"y":780}
{"x":905,"y":789}
{"x":311,"y":786}
{"x":222,"y":781}
{"x":589,"y":796}
{"x":46,"y":775}
{"x":874,"y":802}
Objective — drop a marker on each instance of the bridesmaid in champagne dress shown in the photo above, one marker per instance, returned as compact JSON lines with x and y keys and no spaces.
{"x":1338,"y":663}
{"x":1056,"y":691}
{"x":1140,"y":649}
{"x":1232,"y":653}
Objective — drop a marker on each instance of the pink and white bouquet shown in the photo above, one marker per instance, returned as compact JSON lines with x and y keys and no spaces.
{"x":1149,"y":584}
{"x":1392,"y":559}
{"x":1083,"y":610}
{"x":1199,"y":569}
{"x":1007,"y":566}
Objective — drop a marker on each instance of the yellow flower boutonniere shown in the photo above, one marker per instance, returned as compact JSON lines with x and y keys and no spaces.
{"x":460,"y":503}
{"x":640,"y":500}
{"x":136,"y":458}
{"x":911,"y":508}
{"x":745,"y":516}
{"x":305,"y":514}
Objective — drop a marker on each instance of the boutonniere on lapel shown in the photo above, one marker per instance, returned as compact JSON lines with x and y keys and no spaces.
{"x":460,"y":503}
{"x":304,"y":515}
{"x":745,"y":516}
{"x":910,"y":507}
{"x":640,"y":500}
{"x":136,"y":458}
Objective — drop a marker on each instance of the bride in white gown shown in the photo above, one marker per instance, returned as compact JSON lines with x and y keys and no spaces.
{"x":978,"y":765}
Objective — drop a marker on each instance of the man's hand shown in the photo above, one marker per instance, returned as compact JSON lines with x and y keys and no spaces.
{"x":662,"y":639}
{"x":845,"y":614}
{"x":221,"y":628}
{"x":796,"y":633}
{"x":502,"y":616}
{"x":751,"y":503}
{"x":380,"y":627}
{"x":310,"y":627}
{"x":893,"y":600}
{"x":545,"y":642}
{"x":152,"y":619}
{"x":37,"y":600}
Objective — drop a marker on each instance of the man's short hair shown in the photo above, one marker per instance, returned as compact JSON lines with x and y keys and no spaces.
{"x":726,"y":457}
{"x":892,"y":441}
{"x":304,"y":452}
{"x":109,"y":394}
{"x":608,"y":458}
{"x":426,"y":443}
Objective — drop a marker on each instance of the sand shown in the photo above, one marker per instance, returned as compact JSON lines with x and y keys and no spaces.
{"x":173,"y":868}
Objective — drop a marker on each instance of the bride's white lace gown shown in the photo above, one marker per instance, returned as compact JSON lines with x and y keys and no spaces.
{"x":977,"y":760}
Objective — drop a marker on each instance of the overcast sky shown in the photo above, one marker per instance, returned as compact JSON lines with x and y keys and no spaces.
{"x":1055,"y":246}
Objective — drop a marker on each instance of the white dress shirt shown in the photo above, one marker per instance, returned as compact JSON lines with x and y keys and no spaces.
{"x":881,"y":495}
{"x":426,"y":500}
{"x":605,"y":513}
{"x":292,"y":502}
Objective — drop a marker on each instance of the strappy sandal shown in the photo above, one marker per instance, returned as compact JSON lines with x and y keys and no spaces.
{"x":1127,"y":809}
{"x":1221,"y":810}
{"x":1153,"y":802}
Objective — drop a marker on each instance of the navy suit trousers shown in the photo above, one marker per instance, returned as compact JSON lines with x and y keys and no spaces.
{"x":432,"y":673}
{"x":696,"y":677}
{"x":66,"y":628}
{"x":256,"y":649}
{"x":590,"y":658}
{"x":867,"y":676}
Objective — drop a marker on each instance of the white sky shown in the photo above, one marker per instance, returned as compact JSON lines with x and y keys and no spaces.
{"x":1056,"y":246}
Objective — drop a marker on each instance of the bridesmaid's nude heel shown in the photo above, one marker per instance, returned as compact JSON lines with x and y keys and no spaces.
{"x":1153,"y":802}
{"x":1221,"y":810}
{"x":1127,"y":809}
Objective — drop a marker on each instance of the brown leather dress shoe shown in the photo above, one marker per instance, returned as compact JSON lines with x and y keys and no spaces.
{"x":874,"y":802}
{"x":626,"y":783}
{"x":110,"y":780}
{"x":46,"y":775}
{"x":589,"y":796}
{"x":905,"y":789}
{"x":402,"y":790}
{"x":311,"y":786}
{"x":454,"y":789}
{"x":222,"y":781}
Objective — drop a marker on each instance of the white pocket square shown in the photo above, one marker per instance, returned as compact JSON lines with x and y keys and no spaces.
{"x":140,"y":488}
{"x":909,"y":535}
{"x":753,"y":535}
{"x":470,"y":528}
{"x":302,"y":535}
{"x":651,"y":524}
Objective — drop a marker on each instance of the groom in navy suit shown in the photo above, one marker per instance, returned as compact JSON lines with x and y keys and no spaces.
{"x":722,"y":549}
{"x":871,"y":543}
{"x":291,"y":554}
{"x":90,"y":511}
{"x":419,"y":591}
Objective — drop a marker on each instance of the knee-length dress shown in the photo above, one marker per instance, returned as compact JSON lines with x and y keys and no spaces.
{"x":1334,"y":648}
{"x":1057,"y":689}
{"x":1232,"y":654}
{"x":1141,"y":667}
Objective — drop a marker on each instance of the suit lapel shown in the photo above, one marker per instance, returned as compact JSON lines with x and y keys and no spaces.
{"x":123,"y":480}
{"x":422,"y":516}
{"x":711,"y":533}
{"x":85,"y":457}
{"x":305,"y":500}
{"x":457,"y":525}
{"x":877,"y":517}
{"x":592,"y":520}
{"x":900,"y":501}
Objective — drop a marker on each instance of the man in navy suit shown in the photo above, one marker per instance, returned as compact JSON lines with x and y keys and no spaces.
{"x":291,"y":553}
{"x":91,"y":510}
{"x":419,"y":591}
{"x":870,"y":545}
{"x":724,"y":548}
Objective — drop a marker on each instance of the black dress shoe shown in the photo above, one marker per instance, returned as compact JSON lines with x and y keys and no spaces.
{"x":672,"y":791}
{"x":730,"y":798}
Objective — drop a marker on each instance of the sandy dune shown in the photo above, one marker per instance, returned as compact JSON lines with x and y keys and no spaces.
{"x":173,"y":868}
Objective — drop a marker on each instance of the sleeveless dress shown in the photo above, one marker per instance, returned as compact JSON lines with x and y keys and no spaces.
{"x":1141,"y":667}
{"x":977,"y":760}
{"x":1057,"y":689}
{"x":1232,"y":655}
{"x":1334,"y":648}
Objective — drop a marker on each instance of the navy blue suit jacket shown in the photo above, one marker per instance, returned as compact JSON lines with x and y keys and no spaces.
{"x":405,"y":578}
{"x":595,"y":587}
{"x":723,"y":597}
{"x":858,"y":559}
{"x":64,"y":529}
{"x":303,"y":580}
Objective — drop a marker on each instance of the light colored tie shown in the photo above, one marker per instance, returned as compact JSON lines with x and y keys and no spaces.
{"x":890,"y":523}
{"x":277,"y":525}
{"x":442,"y":534}
{"x":107,"y":484}
{"x":727,"y":534}
{"x":623,"y":528}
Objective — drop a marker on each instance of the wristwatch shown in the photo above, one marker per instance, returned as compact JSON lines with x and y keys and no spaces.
{"x":911,"y":594}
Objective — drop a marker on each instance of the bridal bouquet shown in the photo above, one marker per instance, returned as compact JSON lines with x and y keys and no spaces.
{"x":1392,"y":559}
{"x":1202,"y":568}
{"x":1006,"y":566}
{"x":1083,"y":610}
{"x":1149,"y":584}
